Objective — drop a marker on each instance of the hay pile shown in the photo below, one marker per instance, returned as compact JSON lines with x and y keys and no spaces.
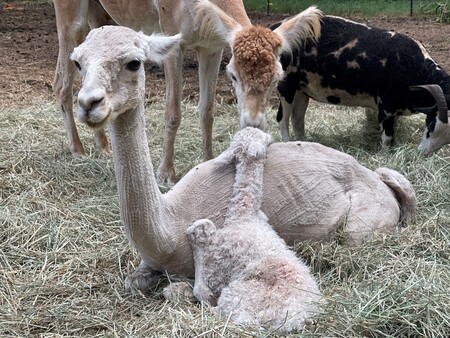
{"x":63,"y":253}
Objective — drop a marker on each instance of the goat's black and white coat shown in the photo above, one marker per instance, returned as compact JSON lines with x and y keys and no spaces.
{"x":356,"y":65}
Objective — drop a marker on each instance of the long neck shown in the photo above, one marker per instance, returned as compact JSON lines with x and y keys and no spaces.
{"x":141,"y":202}
{"x":236,"y":10}
{"x":247,"y":190}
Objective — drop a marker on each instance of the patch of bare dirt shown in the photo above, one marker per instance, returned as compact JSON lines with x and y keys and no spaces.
{"x":29,"y":49}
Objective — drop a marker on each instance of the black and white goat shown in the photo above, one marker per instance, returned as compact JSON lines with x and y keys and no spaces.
{"x":352,"y":64}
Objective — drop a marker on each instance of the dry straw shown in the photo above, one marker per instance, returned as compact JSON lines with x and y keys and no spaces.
{"x":63,"y":253}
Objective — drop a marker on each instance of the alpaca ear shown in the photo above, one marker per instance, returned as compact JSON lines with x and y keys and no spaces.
{"x":214,"y":24}
{"x":257,"y":150}
{"x":159,"y":47}
{"x":296,"y":30}
{"x":225,"y":158}
{"x":258,"y":142}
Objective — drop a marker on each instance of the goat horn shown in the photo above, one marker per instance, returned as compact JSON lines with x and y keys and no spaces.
{"x":439,"y":97}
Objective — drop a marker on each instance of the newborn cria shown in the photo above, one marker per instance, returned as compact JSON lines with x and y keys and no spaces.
{"x":244,"y":268}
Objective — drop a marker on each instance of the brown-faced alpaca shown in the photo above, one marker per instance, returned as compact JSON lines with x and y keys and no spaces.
{"x":75,"y":18}
{"x":310,"y":192}
{"x":244,"y":267}
{"x":254,"y":67}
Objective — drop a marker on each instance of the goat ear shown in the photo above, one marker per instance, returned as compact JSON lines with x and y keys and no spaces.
{"x":159,"y":47}
{"x":215,"y":24}
{"x":297,"y":29}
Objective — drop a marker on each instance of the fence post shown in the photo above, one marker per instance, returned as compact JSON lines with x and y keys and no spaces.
{"x":411,"y":8}
{"x":269,"y":4}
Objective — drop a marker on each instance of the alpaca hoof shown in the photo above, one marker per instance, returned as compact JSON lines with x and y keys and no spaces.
{"x":204,"y":295}
{"x":200,"y":231}
{"x":180,"y":291}
{"x":142,"y":279}
{"x":77,"y":149}
{"x":166,"y":174}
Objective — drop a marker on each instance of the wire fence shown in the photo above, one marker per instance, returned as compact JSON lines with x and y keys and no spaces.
{"x":435,"y":8}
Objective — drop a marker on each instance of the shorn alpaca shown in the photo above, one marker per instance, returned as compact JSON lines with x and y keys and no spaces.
{"x":310,"y":192}
{"x":75,"y":18}
{"x":244,"y":267}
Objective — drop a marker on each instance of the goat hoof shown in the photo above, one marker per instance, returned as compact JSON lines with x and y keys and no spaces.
{"x":166,"y":175}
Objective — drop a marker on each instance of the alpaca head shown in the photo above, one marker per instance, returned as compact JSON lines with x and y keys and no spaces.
{"x":111,"y":63}
{"x":255,"y":68}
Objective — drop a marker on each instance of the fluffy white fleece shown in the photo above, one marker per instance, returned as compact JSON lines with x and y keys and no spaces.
{"x":244,"y":269}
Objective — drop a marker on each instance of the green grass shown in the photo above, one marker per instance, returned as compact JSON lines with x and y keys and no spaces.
{"x":64,"y":255}
{"x":365,"y":8}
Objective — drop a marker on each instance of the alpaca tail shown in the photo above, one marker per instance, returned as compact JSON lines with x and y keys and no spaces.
{"x":248,"y":149}
{"x":404,"y":192}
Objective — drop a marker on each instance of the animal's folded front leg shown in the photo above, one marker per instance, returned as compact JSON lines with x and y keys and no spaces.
{"x":199,"y":235}
{"x":143,"y":278}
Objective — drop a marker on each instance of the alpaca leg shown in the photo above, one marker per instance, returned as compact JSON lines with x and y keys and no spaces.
{"x":173,"y":68}
{"x":179,"y":291}
{"x":143,"y":278}
{"x":71,"y":20}
{"x":98,"y":16}
{"x":72,"y":24}
{"x":209,"y":62}
{"x":101,"y":141}
{"x":199,"y":234}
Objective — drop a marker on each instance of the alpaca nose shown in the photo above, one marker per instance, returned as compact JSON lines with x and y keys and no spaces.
{"x":257,"y":120}
{"x":87,"y":100}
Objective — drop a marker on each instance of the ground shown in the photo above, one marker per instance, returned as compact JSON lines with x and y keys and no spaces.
{"x":64,"y":254}
{"x":29,"y":49}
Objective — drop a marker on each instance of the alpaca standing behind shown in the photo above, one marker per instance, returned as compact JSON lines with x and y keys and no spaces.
{"x":244,"y":268}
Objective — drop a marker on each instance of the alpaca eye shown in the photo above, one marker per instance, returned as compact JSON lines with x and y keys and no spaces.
{"x":134,"y":65}
{"x":77,"y":65}
{"x":233,"y":77}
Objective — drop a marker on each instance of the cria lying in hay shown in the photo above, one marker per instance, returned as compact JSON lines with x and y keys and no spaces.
{"x":243,"y":266}
{"x":310,"y":192}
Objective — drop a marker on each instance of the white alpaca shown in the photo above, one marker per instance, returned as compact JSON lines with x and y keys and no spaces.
{"x":75,"y":18}
{"x":311,"y":192}
{"x":244,"y":267}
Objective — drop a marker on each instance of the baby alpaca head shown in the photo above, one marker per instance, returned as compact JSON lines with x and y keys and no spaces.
{"x":248,"y":145}
{"x":111,"y":63}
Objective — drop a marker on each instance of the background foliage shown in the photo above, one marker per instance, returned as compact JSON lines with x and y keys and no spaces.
{"x":364,"y":8}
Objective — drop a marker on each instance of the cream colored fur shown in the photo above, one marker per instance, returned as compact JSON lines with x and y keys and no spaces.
{"x":254,"y":67}
{"x":243,"y":267}
{"x":75,"y":18}
{"x":310,"y":192}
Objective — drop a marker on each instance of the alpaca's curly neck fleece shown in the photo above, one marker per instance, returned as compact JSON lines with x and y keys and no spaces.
{"x":247,"y":191}
{"x":141,"y":203}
